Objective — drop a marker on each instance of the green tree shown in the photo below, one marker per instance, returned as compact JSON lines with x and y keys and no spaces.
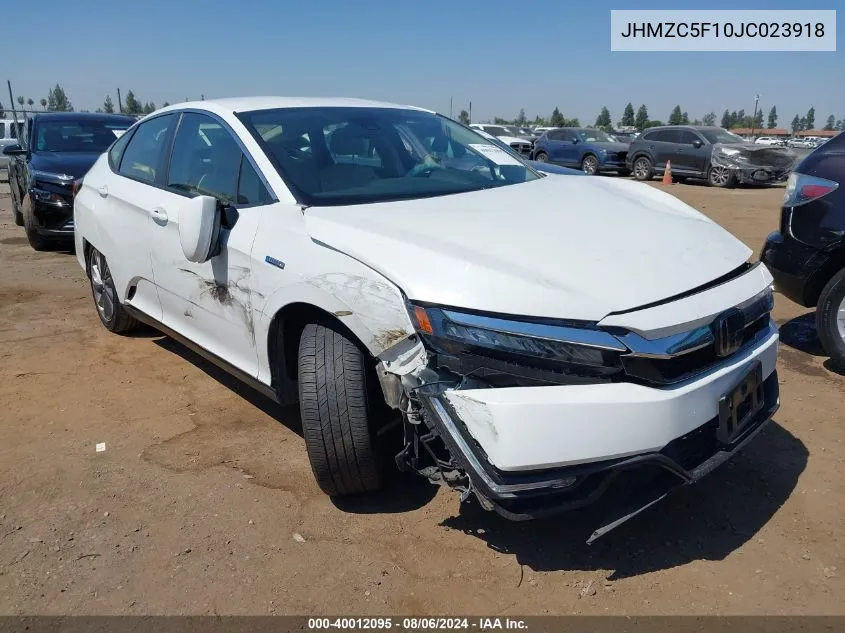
{"x":557,"y":119}
{"x":811,"y":118}
{"x":30,"y":102}
{"x":796,"y":124}
{"x":149,"y":107}
{"x":43,"y":103}
{"x":676,"y":116}
{"x":108,"y":105}
{"x":571,"y":122}
{"x":654,"y":124}
{"x":685,"y":119}
{"x":628,"y":115}
{"x":603,"y":119}
{"x":57,"y":100}
{"x":641,"y":120}
{"x":709,"y":119}
{"x":802,"y":123}
{"x":20,"y":101}
{"x":772,"y":121}
{"x":840,"y":125}
{"x":831,"y":123}
{"x":463,"y":117}
{"x":132,"y":105}
{"x":520,"y":119}
{"x":165,"y":104}
{"x":726,"y":120}
{"x":2,"y":111}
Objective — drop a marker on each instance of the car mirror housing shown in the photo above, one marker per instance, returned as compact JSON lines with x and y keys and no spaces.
{"x":697,"y":143}
{"x":14,"y":150}
{"x":199,"y":228}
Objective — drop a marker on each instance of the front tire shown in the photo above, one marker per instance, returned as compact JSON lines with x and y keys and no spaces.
{"x":30,"y":227}
{"x":111,"y":312}
{"x":16,"y":211}
{"x":720,"y":177}
{"x":590,"y":165}
{"x":643,"y":169}
{"x":830,"y":318}
{"x":338,"y":406}
{"x":542,"y":157}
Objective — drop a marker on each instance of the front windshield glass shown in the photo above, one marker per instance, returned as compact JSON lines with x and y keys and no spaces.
{"x":340,"y":155}
{"x":513,"y":131}
{"x":721,"y":136}
{"x":593,"y":136}
{"x":497,"y":130}
{"x":77,"y":136}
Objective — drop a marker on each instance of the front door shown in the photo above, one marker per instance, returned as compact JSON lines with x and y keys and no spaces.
{"x":212,"y":303}
{"x":688,"y":158}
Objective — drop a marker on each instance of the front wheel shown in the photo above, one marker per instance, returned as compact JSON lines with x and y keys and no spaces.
{"x":590,"y":165}
{"x":542,"y":157}
{"x":16,"y":211}
{"x":338,"y":403}
{"x":643,"y":169}
{"x":111,"y":312}
{"x":30,"y":227}
{"x":720,"y":177}
{"x":830,"y":318}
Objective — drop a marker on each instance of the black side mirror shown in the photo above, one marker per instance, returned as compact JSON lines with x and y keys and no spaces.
{"x":697,"y":143}
{"x":14,"y":150}
{"x":575,"y":141}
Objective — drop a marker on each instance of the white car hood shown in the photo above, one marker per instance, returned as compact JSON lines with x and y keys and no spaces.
{"x":574,"y":248}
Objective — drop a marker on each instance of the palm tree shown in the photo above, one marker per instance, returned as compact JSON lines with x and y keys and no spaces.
{"x":44,"y":103}
{"x":30,"y":103}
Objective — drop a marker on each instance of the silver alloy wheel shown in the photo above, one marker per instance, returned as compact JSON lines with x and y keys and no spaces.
{"x":840,"y":319}
{"x":590,"y":165}
{"x":641,"y":168}
{"x":102,"y":286}
{"x":542,"y":158}
{"x":719,"y":176}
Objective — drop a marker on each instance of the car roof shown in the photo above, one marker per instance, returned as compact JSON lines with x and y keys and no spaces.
{"x":250,"y":104}
{"x":700,"y":128}
{"x":76,"y":116}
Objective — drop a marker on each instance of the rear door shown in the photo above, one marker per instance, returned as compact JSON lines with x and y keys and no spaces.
{"x":213,"y":303}
{"x":662,"y":144}
{"x":690,"y":159}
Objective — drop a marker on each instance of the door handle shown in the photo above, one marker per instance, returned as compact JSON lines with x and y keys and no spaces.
{"x":159,"y":215}
{"x":103,"y":191}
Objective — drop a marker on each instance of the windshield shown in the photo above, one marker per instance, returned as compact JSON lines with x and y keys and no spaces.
{"x":721,"y":136}
{"x":77,"y":136}
{"x":513,"y":131}
{"x":593,"y":136}
{"x":340,"y":155}
{"x":497,"y":130}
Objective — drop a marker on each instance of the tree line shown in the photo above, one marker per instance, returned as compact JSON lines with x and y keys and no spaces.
{"x":641,"y":120}
{"x":58,"y":101}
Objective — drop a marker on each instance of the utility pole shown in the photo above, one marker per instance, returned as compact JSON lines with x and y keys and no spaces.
{"x":119,"y":102}
{"x":14,"y":113}
{"x":470,"y":111}
{"x":754,"y":118}
{"x":450,"y":107}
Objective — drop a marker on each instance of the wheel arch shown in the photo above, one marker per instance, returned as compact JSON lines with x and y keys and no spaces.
{"x":819,"y":279}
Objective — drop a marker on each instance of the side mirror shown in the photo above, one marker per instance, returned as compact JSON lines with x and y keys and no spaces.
{"x":575,"y":141}
{"x":13,"y":150}
{"x":697,"y":143}
{"x":199,"y":228}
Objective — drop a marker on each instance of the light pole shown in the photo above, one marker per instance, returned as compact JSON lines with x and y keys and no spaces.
{"x":754,"y":118}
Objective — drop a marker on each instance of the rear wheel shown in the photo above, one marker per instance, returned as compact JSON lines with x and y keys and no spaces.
{"x":339,"y":406}
{"x":830,"y":318}
{"x":30,"y":227}
{"x":643,"y":169}
{"x":111,"y":312}
{"x":590,"y":165}
{"x":720,"y":177}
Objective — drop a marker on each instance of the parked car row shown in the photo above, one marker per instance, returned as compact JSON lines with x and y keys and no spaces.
{"x":431,"y":299}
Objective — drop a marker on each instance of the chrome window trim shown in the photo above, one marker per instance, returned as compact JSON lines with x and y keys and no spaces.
{"x":576,"y":336}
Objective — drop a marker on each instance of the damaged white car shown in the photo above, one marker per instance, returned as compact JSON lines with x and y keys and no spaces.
{"x":434,"y":302}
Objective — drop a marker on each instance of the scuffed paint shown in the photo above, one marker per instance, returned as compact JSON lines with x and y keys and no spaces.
{"x":221,"y":292}
{"x":475,"y":415}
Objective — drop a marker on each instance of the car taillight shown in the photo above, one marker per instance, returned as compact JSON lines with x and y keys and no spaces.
{"x":801,"y":189}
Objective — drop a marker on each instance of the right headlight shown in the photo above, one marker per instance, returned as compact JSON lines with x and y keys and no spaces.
{"x":545,"y":345}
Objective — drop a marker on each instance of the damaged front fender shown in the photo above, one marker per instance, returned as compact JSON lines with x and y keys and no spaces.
{"x":751,"y":164}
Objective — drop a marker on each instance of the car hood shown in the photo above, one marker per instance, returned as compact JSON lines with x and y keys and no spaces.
{"x":752,"y":155}
{"x":576,"y":248}
{"x":512,"y":139}
{"x":74,"y":164}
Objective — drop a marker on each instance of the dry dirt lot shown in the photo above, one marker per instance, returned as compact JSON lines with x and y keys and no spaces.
{"x":204,"y":503}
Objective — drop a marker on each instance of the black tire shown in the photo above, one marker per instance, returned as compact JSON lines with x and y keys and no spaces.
{"x":643,"y":168}
{"x":30,"y":227}
{"x":590,"y":165}
{"x":16,"y":212}
{"x":541,"y":157}
{"x":339,"y":409}
{"x":831,"y":301}
{"x":111,"y":312}
{"x":720,"y":177}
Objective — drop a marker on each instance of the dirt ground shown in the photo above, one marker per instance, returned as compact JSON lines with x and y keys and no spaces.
{"x":203,"y":501}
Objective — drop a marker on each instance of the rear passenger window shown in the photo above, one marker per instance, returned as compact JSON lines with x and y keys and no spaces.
{"x":688,"y":138}
{"x":144,"y":155}
{"x":664,"y":136}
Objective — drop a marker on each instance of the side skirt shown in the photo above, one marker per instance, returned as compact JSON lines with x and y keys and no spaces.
{"x":226,"y":366}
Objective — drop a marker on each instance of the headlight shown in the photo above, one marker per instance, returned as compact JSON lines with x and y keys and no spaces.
{"x":46,"y":176}
{"x":546,"y":346}
{"x":729,"y":151}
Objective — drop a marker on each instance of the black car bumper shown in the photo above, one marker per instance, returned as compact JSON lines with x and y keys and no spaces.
{"x":634,"y":483}
{"x":796,"y":267}
{"x":759,"y":176}
{"x":54,"y":220}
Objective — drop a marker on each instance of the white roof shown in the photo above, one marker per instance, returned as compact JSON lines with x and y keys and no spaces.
{"x":246,"y":104}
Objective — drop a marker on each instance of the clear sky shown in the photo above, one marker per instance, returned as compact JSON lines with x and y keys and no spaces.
{"x":502,"y":56}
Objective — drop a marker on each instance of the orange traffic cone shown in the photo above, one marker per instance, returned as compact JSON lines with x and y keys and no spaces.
{"x":667,"y":174}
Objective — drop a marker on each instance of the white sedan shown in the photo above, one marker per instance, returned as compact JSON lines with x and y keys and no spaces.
{"x":432,"y":301}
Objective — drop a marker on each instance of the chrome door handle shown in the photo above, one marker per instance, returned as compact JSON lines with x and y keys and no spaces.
{"x":159,"y":215}
{"x":103,"y":191}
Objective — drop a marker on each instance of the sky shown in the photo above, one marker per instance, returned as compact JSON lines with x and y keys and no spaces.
{"x":501,"y":56}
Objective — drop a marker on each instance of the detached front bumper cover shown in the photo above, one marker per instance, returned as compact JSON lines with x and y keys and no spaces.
{"x":637,"y":482}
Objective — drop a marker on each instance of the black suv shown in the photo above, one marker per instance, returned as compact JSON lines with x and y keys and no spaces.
{"x":712,"y":153}
{"x":807,"y":256}
{"x":57,"y":150}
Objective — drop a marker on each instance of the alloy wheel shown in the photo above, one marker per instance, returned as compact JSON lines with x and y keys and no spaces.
{"x":641,"y":168}
{"x":840,"y":319}
{"x":719,"y":176}
{"x":590,"y":165}
{"x":102,"y":286}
